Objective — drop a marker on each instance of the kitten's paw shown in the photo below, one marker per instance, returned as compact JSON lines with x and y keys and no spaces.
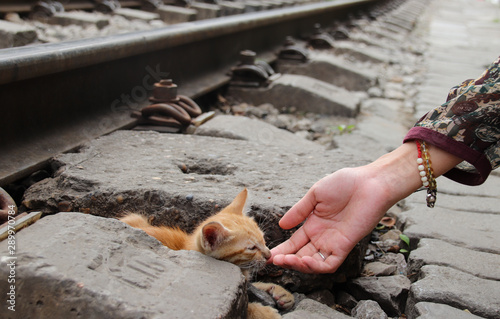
{"x":258,"y":311}
{"x":284,"y":299}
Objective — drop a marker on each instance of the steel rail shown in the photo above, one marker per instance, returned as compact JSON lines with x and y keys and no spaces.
{"x":54,"y":97}
{"x":21,"y":6}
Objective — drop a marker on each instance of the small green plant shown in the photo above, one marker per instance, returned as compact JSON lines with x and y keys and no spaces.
{"x":406,"y":240}
{"x":345,"y":128}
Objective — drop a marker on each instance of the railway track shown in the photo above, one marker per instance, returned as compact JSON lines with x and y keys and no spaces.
{"x":25,"y":6}
{"x":57,"y":96}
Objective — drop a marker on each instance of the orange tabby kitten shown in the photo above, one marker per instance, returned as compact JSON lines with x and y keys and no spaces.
{"x":231,"y":236}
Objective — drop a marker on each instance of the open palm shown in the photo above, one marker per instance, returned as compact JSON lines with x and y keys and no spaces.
{"x":339,"y":210}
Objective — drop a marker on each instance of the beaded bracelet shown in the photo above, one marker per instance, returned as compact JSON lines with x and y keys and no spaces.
{"x":426,"y":173}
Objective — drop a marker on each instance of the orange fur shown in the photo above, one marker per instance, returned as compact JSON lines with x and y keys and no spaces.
{"x":229,"y":235}
{"x":173,"y":238}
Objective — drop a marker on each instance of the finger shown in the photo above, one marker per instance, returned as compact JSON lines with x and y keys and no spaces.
{"x":298,"y":240}
{"x":291,"y":262}
{"x":299,"y":211}
{"x":329,"y":265}
{"x":308,"y":264}
{"x":305,"y":264}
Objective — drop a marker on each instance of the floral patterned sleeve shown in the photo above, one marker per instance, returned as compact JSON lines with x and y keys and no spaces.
{"x":467,"y":125}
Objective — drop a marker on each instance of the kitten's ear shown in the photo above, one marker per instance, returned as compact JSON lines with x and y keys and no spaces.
{"x":214,"y":233}
{"x":238,"y":204}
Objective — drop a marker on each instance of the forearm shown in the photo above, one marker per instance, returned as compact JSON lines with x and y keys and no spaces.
{"x":398,"y":172}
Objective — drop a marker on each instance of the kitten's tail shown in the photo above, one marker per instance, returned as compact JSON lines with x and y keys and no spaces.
{"x":173,"y":238}
{"x":136,"y":221}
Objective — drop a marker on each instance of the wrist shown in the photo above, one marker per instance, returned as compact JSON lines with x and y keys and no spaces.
{"x":398,"y":173}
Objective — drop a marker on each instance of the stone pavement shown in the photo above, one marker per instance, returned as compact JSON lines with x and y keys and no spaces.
{"x":458,"y":254}
{"x":179,"y":179}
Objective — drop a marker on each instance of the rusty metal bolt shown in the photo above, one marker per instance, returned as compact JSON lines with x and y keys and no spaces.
{"x":320,"y":39}
{"x":165,"y":91}
{"x":247,"y":57}
{"x":292,"y":52}
{"x":7,"y":206}
{"x":289,"y":41}
{"x":317,"y":28}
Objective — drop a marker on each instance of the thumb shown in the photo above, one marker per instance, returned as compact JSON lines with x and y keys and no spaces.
{"x":300,"y":211}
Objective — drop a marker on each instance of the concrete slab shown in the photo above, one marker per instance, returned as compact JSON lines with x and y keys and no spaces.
{"x":331,"y":69}
{"x":303,"y":93}
{"x":272,"y":4}
{"x":429,"y":310}
{"x":471,"y":230}
{"x":133,"y":14}
{"x":182,"y":179}
{"x":460,"y":290}
{"x":362,"y":37}
{"x":205,"y":10}
{"x":228,"y":8}
{"x":79,"y":18}
{"x":173,"y":14}
{"x":244,"y":128}
{"x":379,"y":32}
{"x":378,"y":130}
{"x":362,"y":52}
{"x":253,"y":6}
{"x":449,"y":198}
{"x":78,"y":265}
{"x":489,"y":189}
{"x":311,"y":309}
{"x":389,"y":292}
{"x":441,"y":253}
{"x":16,"y":35}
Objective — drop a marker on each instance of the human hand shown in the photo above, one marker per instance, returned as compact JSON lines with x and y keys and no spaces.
{"x":341,"y":209}
{"x":345,"y":206}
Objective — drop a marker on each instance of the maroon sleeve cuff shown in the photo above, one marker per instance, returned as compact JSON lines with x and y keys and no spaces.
{"x":475,"y":158}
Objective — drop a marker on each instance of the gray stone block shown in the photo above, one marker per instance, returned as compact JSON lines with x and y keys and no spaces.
{"x":79,"y":18}
{"x":182,"y":179}
{"x":458,"y":289}
{"x":15,"y":35}
{"x":429,"y":310}
{"x":244,"y":128}
{"x":133,"y":14}
{"x":378,"y":32}
{"x":232,"y":7}
{"x":253,"y":6}
{"x":154,"y":173}
{"x":364,"y":52}
{"x":462,"y":201}
{"x":390,"y":292}
{"x":205,"y":10}
{"x":77,"y":265}
{"x":331,"y":69}
{"x":437,"y":252}
{"x":173,"y":14}
{"x":311,"y":309}
{"x":471,"y":230}
{"x":490,"y":189}
{"x":379,"y":269}
{"x":368,"y":309}
{"x":303,"y":93}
